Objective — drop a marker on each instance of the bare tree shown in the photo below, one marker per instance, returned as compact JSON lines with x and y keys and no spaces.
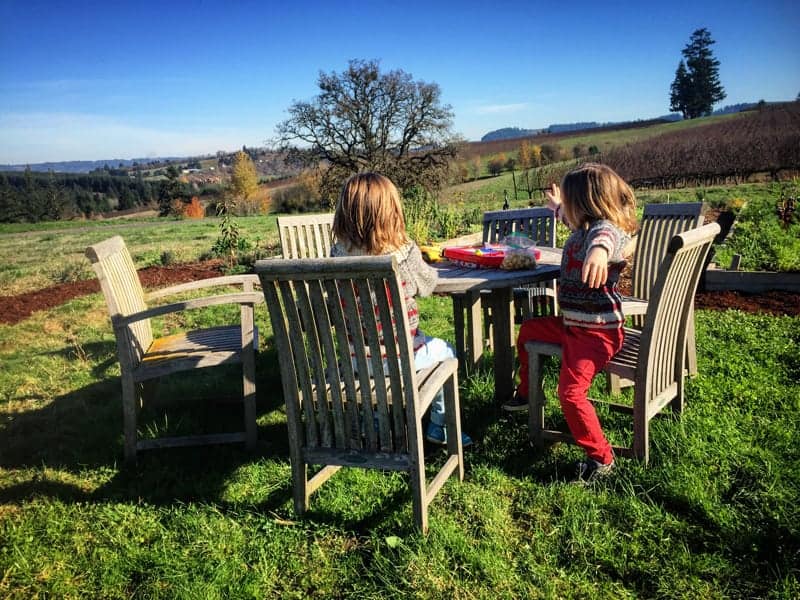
{"x":363,"y":119}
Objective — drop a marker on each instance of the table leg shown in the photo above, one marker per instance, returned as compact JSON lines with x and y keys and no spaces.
{"x":468,"y":332}
{"x":502,"y":302}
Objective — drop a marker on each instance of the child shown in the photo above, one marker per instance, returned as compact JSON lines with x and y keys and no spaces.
{"x":600,"y":209}
{"x":369,"y":221}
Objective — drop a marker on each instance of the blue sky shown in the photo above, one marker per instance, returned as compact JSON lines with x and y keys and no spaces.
{"x":103,"y":80}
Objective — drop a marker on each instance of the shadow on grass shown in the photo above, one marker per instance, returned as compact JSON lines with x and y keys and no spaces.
{"x":78,"y":436}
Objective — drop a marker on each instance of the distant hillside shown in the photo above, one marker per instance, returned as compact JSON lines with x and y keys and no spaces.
{"x":508,"y":133}
{"x":87,"y":166}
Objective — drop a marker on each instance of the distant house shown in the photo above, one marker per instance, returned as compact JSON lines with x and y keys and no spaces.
{"x":186,"y":171}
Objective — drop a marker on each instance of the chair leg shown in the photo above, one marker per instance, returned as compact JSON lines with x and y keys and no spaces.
{"x":130,"y":408}
{"x":249,"y":398}
{"x":453,"y":417}
{"x":248,"y":354}
{"x":300,"y":487}
{"x":641,"y":434}
{"x":691,"y":348}
{"x":417,"y":483}
{"x":536,"y":399}
{"x":612,"y":384}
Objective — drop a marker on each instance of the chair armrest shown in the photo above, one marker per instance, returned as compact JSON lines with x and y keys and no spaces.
{"x":633,"y":306}
{"x":432,"y":380}
{"x":156,"y":311}
{"x":204,"y":283}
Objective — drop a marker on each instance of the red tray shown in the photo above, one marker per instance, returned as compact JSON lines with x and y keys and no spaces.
{"x":485,"y":255}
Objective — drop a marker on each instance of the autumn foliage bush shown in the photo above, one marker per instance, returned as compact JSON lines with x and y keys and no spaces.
{"x":193,"y":209}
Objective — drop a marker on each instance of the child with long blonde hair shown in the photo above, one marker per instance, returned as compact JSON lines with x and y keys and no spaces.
{"x":600,"y":209}
{"x":369,"y":221}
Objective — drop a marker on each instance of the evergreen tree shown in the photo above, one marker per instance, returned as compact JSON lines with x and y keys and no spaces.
{"x":679,"y":91}
{"x":696,"y":87}
{"x":171,"y":189}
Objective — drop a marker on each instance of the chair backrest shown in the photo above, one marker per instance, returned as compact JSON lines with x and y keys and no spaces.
{"x":124,"y":296}
{"x":306,"y":236}
{"x":537,"y":223}
{"x":660,"y":222}
{"x":332,"y":319}
{"x":662,"y":353}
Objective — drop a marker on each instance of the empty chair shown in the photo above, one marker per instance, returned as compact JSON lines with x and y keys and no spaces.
{"x":143,"y":357}
{"x":537,"y":224}
{"x":306,"y":236}
{"x":338,"y":415}
{"x":660,"y":222}
{"x":652,"y":358}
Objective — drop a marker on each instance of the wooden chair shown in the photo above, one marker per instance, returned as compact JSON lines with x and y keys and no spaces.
{"x":337,"y":414}
{"x":306,"y":236}
{"x":539,"y":225}
{"x":143,"y":358}
{"x":660,"y":222}
{"x":653,"y":357}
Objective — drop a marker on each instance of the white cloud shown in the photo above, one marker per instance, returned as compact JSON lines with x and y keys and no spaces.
{"x":43,"y":137}
{"x":491,"y":109}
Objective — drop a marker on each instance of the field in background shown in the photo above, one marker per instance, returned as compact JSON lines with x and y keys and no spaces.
{"x":604,"y":138}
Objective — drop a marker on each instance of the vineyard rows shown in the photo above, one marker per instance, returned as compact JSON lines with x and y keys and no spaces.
{"x":766,"y":141}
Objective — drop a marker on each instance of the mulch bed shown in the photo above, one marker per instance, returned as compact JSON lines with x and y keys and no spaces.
{"x":14,"y":309}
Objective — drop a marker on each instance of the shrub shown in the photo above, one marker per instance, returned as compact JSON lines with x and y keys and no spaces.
{"x":168,"y":258}
{"x":761,"y":239}
{"x":297,"y":198}
{"x":194,"y":209}
{"x":552,"y":152}
{"x":495,"y":165}
{"x":76,"y":270}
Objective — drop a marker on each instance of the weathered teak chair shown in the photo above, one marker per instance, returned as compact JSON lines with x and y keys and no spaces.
{"x":144,"y":358}
{"x":539,"y":225}
{"x":337,"y":414}
{"x":660,"y":222}
{"x":306,"y":236}
{"x":653,"y":357}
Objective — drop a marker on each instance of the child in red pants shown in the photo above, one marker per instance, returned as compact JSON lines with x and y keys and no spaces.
{"x":600,"y":209}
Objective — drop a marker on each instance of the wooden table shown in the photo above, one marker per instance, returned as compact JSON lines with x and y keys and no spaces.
{"x":465,"y":285}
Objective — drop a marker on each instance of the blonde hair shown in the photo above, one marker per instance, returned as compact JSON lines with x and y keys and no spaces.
{"x":594,"y":191}
{"x":369,"y":215}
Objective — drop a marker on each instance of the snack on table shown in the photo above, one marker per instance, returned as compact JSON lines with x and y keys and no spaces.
{"x":519,"y":258}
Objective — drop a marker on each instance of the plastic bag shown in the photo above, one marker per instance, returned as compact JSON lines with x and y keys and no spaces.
{"x":521,"y":253}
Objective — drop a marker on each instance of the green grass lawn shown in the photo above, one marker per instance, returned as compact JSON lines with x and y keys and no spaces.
{"x":715,"y":515}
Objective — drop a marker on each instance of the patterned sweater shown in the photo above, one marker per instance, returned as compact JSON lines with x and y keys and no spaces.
{"x":580,"y":305}
{"x":417,"y":277}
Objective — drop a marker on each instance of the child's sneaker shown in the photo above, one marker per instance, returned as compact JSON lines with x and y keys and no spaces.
{"x":437,"y":434}
{"x":591,"y":470}
{"x":516,"y":404}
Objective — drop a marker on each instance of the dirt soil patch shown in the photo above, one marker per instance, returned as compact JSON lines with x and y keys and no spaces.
{"x":16,"y":308}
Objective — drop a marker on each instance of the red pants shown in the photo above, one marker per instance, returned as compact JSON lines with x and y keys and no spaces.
{"x":584,"y":354}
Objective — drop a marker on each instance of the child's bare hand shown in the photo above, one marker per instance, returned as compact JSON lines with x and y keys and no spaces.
{"x":553,"y":196}
{"x":595,"y":267}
